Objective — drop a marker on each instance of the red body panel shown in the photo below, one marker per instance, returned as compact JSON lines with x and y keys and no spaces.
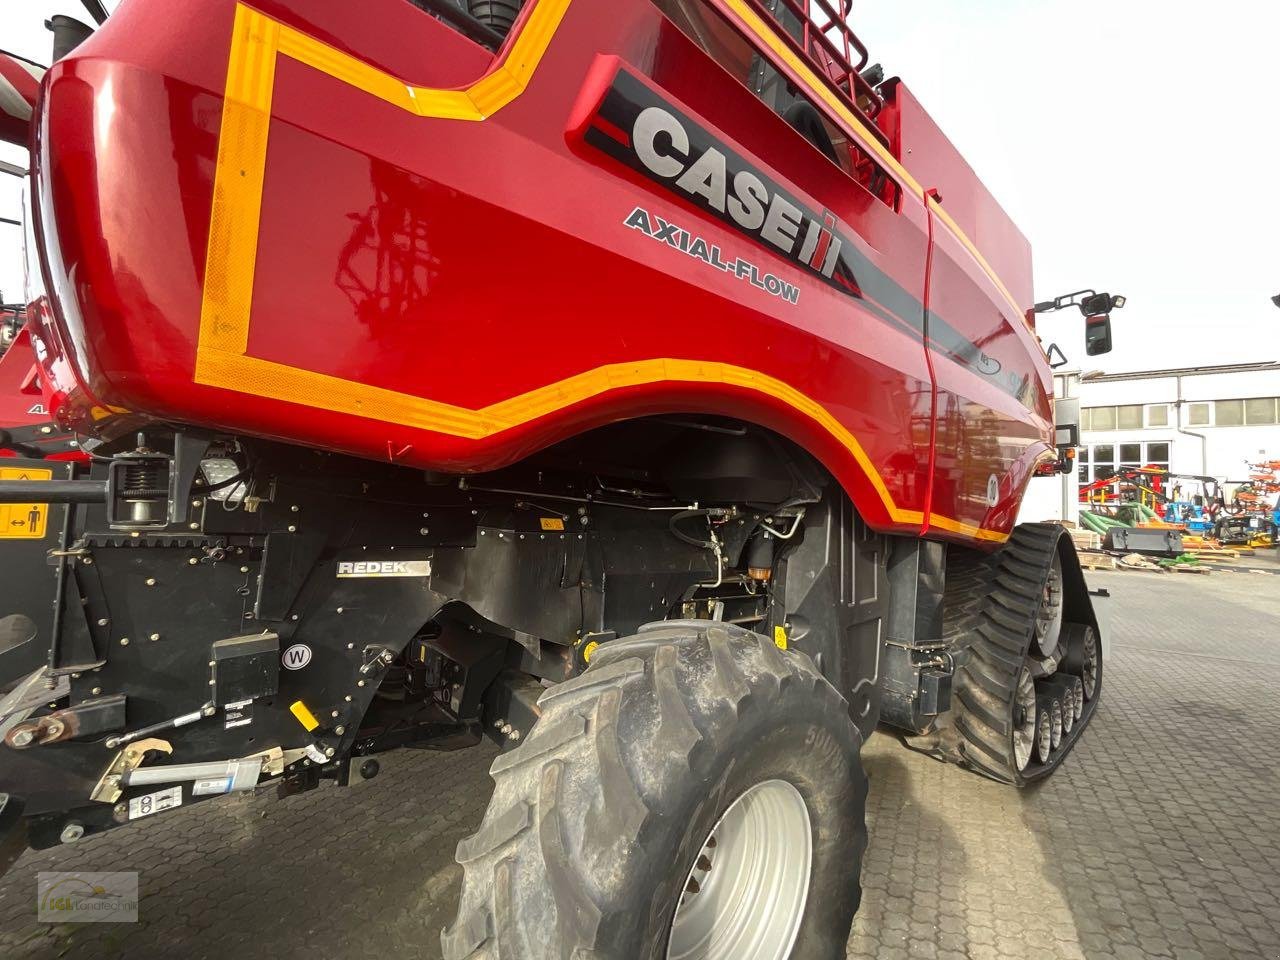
{"x":21,"y":400}
{"x":467,"y":290}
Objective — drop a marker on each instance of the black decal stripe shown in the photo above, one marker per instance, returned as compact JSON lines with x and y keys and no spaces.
{"x":856,"y":275}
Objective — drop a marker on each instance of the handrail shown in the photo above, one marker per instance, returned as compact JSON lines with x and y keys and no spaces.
{"x":832,"y":57}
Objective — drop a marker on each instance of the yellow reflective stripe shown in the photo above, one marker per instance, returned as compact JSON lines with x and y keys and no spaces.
{"x":221,"y":352}
{"x":237,"y":184}
{"x":482,"y":99}
{"x":966,"y":529}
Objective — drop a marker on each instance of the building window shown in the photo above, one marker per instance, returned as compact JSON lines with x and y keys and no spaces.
{"x":1100,"y":461}
{"x":1198,"y":414}
{"x":1104,"y":460}
{"x":1261,"y":410}
{"x":1129,"y":418}
{"x":1228,"y":413}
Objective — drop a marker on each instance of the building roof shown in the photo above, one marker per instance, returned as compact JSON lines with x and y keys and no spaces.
{"x":1097,"y":376}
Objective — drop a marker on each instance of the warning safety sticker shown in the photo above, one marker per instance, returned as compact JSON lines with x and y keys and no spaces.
{"x":23,"y":520}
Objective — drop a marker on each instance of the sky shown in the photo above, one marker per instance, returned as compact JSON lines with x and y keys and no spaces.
{"x":1134,"y":142}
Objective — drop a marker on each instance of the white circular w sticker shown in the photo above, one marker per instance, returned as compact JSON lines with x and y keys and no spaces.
{"x":296,"y":657}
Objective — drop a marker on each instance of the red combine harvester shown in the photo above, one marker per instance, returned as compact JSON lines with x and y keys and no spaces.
{"x":649,"y":387}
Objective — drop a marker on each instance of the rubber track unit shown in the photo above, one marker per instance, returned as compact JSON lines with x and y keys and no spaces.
{"x":575,"y":853}
{"x":989,"y":613}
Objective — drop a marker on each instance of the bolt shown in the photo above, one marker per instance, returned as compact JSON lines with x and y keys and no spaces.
{"x":103,"y":621}
{"x":292,"y":528}
{"x":72,"y":832}
{"x":329,"y":751}
{"x":514,"y":735}
{"x":506,"y":729}
{"x":294,"y":508}
{"x":124,"y":641}
{"x":208,"y":710}
{"x":334,"y":714}
{"x":351,"y":646}
{"x":340,"y":609}
{"x":193,"y":561}
{"x":359,"y":683}
{"x":339,"y":730}
{"x":192,"y":526}
{"x":243,"y":569}
{"x":424,"y":531}
{"x":120,"y":812}
{"x":23,"y":738}
{"x":388,"y":656}
{"x":347,"y":698}
{"x":294,"y":617}
{"x":155,"y":636}
{"x":213,"y":663}
{"x":197,"y":502}
{"x":96,"y":690}
{"x":497,"y":724}
{"x":87,"y":561}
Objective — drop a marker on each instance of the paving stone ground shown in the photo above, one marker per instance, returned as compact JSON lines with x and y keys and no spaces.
{"x":1159,"y":837}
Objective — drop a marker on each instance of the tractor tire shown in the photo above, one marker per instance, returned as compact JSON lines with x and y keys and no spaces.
{"x":673,"y":753}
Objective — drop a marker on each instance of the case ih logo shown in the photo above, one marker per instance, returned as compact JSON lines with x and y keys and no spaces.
{"x":385,"y":568}
{"x":634,"y":126}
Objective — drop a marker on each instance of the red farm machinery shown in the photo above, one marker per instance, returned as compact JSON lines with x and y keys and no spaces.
{"x":648,"y":386}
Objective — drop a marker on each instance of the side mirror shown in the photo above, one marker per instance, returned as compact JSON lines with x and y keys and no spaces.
{"x":1097,"y":334}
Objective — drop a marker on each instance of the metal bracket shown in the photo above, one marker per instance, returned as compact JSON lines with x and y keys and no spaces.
{"x":108,"y":789}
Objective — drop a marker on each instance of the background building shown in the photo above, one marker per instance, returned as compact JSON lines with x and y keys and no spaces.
{"x":1211,"y":421}
{"x":1207,"y":421}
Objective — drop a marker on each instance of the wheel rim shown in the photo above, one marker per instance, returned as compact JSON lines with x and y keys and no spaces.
{"x":1077,"y":698}
{"x":1089,"y":665}
{"x":1024,"y":720}
{"x":745,"y":896}
{"x":1068,"y":710}
{"x":1044,"y":736}
{"x":1055,"y":724}
{"x":1049,"y":613}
